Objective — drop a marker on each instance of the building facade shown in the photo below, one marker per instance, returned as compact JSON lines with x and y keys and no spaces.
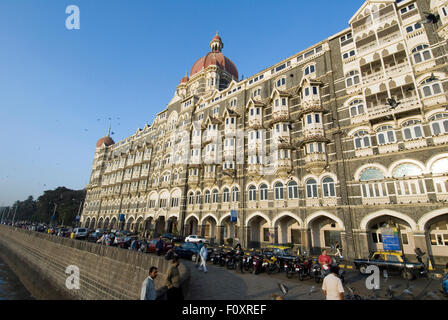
{"x":332,"y":144}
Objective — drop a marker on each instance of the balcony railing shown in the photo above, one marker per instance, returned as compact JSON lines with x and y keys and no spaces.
{"x":385,"y":110}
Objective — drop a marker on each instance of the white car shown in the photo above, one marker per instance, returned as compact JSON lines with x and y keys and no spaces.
{"x":196,"y":239}
{"x":80,"y":233}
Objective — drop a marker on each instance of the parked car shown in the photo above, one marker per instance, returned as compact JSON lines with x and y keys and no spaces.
{"x":196,"y":239}
{"x":151,"y":248}
{"x":94,"y":236}
{"x":171,"y":237}
{"x":391,"y":261}
{"x":189,"y":249}
{"x":80,"y":233}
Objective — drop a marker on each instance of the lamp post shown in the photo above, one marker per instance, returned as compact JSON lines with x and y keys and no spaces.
{"x":79,"y":212}
{"x":14,"y":217}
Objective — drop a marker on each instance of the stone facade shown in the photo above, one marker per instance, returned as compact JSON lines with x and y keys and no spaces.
{"x":106,"y":273}
{"x":331,"y":144}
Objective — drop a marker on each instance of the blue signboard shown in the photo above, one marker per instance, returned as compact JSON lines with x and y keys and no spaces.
{"x":122,"y":217}
{"x":77,"y":218}
{"x":390,"y":240}
{"x":233,"y":216}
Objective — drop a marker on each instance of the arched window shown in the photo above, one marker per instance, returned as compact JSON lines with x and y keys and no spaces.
{"x":311,"y":188}
{"x":263,"y":192}
{"x":310,"y":69}
{"x":421,"y":53}
{"x":407,"y":170}
{"x":293,"y":190}
{"x":439,"y":169}
{"x":225,"y":195}
{"x":357,"y":108}
{"x":328,"y":188}
{"x":252,"y":193}
{"x":235,"y":194}
{"x":352,"y":78}
{"x":374,"y":188}
{"x":279,"y":191}
{"x":191,"y":198}
{"x":198,"y":197}
{"x":431,"y":87}
{"x":385,"y":135}
{"x":439,"y":123}
{"x":207,"y":196}
{"x":362,"y":139}
{"x":407,"y":187}
{"x":215,"y":196}
{"x":412,"y":129}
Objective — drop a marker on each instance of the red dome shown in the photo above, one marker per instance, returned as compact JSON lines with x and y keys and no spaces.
{"x":105,"y":140}
{"x":215,"y":59}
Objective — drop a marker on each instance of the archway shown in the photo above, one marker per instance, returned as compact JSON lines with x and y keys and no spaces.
{"x":259,"y":231}
{"x":139,"y":225}
{"x":87,"y":223}
{"x":106,"y":223}
{"x":92,"y":223}
{"x":436,"y":231}
{"x":113,"y":223}
{"x":100,"y":223}
{"x":209,"y":227}
{"x":325,"y":231}
{"x":191,"y":225}
{"x":149,"y":227}
{"x":287,"y":230}
{"x":130,"y":224}
{"x":375,"y":227}
{"x":160,"y":225}
{"x":172,"y":225}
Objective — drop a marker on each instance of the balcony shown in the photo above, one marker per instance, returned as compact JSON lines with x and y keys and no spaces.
{"x":375,"y":200}
{"x":381,"y":111}
{"x":415,"y":143}
{"x":313,"y":130}
{"x":364,"y":152}
{"x":144,"y":173}
{"x":372,"y":78}
{"x":440,"y":139}
{"x":388,"y":148}
{"x":421,"y":198}
{"x":435,"y":100}
{"x":313,"y":202}
{"x":255,"y":122}
{"x":127,"y":177}
{"x":280,"y":114}
{"x":316,"y":162}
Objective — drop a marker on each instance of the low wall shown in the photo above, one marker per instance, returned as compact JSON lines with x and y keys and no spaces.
{"x":106,"y":273}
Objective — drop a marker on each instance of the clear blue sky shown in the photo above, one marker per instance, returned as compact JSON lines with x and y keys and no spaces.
{"x":124,"y":63}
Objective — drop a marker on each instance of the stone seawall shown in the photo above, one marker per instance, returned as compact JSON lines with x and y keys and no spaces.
{"x":106,"y":273}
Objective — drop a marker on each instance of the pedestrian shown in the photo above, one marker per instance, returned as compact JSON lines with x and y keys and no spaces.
{"x":173,"y":281}
{"x":148,"y":291}
{"x":198,"y":255}
{"x":203,"y":254}
{"x":324,"y":259}
{"x":332,"y":285}
{"x":159,"y":246}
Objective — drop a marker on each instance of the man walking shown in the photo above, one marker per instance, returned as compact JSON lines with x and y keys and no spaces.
{"x":148,"y":291}
{"x":332,"y":285}
{"x":173,"y":281}
{"x":198,"y":255}
{"x":203,"y":254}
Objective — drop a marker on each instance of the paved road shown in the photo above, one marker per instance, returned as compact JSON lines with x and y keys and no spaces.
{"x":222,"y":284}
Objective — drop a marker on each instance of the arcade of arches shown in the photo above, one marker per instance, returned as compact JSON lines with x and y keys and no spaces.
{"x":319,"y":230}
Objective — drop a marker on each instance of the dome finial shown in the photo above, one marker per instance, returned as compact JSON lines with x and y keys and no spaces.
{"x":216,"y":44}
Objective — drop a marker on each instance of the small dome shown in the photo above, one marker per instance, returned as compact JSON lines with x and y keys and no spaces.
{"x":105,"y":140}
{"x":185,"y":79}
